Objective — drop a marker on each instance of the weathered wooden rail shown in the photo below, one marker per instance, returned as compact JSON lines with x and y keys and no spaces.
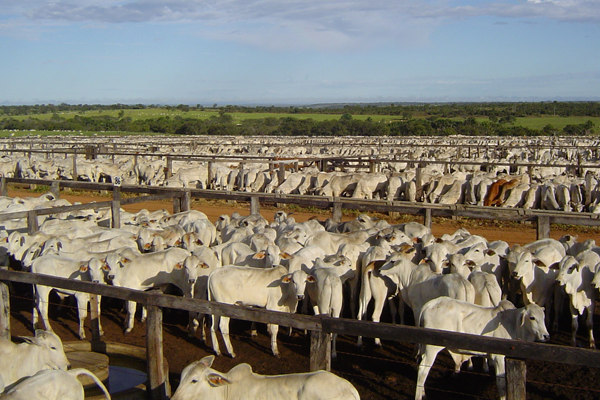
{"x":320,"y":326}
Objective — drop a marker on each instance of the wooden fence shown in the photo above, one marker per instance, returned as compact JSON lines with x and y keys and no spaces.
{"x":320,"y":326}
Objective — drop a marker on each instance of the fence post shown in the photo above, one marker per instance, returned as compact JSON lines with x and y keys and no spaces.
{"x":55,"y":189}
{"x":320,"y":351}
{"x":115,"y":207}
{"x":3,"y":187}
{"x":158,"y":385}
{"x":337,"y":211}
{"x":516,"y":377}
{"x":211,"y":175}
{"x":176,"y":204}
{"x":281,"y":173}
{"x":95,"y":316}
{"x":32,"y":222}
{"x":186,"y":201}
{"x":427,"y":218}
{"x":4,"y":311}
{"x":75,"y":174}
{"x":254,"y":205}
{"x":543,"y":227}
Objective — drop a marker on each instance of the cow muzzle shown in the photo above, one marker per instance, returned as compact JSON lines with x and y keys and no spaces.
{"x":300,"y":297}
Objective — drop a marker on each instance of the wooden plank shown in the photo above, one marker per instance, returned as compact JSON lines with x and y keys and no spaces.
{"x":320,"y":351}
{"x":516,"y":379}
{"x":543,"y":227}
{"x":3,"y":187}
{"x":157,"y":380}
{"x":4,"y":311}
{"x":337,"y":211}
{"x":254,"y":205}
{"x":32,"y":222}
{"x":186,"y":201}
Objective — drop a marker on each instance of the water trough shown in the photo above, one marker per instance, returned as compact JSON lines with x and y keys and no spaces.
{"x":121,"y":367}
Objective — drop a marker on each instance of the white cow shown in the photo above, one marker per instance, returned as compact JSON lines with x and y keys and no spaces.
{"x":145,"y":271}
{"x":62,"y":267}
{"x":272,"y":288}
{"x":418,"y":284}
{"x":576,"y":275}
{"x":326,"y":294}
{"x":44,"y":351}
{"x":200,"y":381}
{"x":538,"y":279}
{"x":504,"y":321}
{"x":53,"y":385}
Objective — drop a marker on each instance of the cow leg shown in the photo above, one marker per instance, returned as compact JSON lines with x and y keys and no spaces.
{"x":334,"y":345}
{"x":82,"y":304}
{"x":378,"y":308}
{"x":224,"y":328}
{"x":429,"y":353}
{"x":253,"y":332}
{"x":273,"y":329}
{"x":42,"y":294}
{"x":574,"y":324}
{"x":131,"y":307}
{"x":590,"y":323}
{"x":100,"y":330}
{"x":213,"y":334}
{"x":363,"y":303}
{"x":500,"y":369}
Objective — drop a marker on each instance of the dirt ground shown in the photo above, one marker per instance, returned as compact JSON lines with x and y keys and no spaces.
{"x":388,"y":372}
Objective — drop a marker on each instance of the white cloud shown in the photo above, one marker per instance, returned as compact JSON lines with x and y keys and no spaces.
{"x":299,"y":24}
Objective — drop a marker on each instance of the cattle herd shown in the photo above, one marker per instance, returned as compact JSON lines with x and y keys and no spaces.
{"x":458,"y":282}
{"x":557,"y":174}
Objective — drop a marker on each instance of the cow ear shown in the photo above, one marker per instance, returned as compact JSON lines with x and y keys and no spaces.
{"x":424,"y":260}
{"x":199,"y":242}
{"x":260,"y":255}
{"x":285,"y":255}
{"x":83,"y":268}
{"x":179,"y":265}
{"x":286,"y":278}
{"x":490,"y":252}
{"x":59,"y":245}
{"x":204,"y":265}
{"x":539,"y":263}
{"x":311,"y":279}
{"x":557,"y":266}
{"x":216,"y":380}
{"x":470,"y":263}
{"x":105,"y":267}
{"x":208,"y":360}
{"x":523,"y":317}
{"x":125,"y":260}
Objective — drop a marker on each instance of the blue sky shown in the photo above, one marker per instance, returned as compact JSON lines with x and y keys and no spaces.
{"x":298,"y":51}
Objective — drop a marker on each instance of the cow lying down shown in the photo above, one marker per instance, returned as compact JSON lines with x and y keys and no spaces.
{"x":53,"y":385}
{"x":199,"y":381}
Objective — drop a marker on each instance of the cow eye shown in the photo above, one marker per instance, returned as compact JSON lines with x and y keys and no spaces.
{"x":52,"y":348}
{"x":532,"y":318}
{"x":194,"y":381}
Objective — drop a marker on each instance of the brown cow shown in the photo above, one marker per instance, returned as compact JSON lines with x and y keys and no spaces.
{"x":497,"y":191}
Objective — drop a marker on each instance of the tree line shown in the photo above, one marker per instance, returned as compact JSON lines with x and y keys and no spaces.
{"x":493,"y":110}
{"x":346,"y":125}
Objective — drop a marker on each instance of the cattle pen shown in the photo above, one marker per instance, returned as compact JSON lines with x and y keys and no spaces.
{"x":320,"y":327}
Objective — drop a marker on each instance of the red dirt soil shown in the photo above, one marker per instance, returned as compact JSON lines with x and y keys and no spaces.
{"x":388,"y":372}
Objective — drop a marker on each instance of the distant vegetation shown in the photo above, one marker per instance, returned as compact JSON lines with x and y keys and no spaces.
{"x":389,"y":119}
